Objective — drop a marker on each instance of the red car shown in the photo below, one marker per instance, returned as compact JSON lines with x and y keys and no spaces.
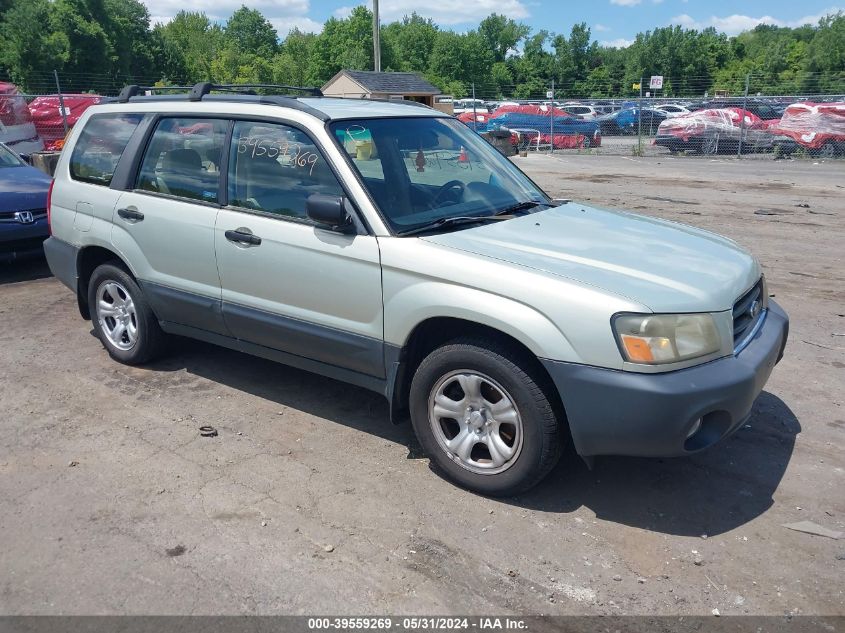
{"x":16,"y":128}
{"x":714,"y":131}
{"x":47,"y":113}
{"x":818,"y":127}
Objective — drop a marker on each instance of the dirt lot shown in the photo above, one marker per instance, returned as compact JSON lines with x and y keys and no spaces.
{"x":310,"y":501}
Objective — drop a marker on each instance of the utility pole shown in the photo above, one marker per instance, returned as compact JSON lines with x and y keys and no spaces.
{"x":640,"y":120}
{"x":376,"y":39}
{"x":552,"y":117}
{"x":61,"y":101}
{"x":742,"y":121}
{"x":474,"y":110}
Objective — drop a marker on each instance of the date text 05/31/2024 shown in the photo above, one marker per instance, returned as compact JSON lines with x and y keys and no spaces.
{"x":417,"y":623}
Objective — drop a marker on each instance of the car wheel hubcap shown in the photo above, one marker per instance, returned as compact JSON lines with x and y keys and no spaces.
{"x":475,"y":421}
{"x":116,"y":315}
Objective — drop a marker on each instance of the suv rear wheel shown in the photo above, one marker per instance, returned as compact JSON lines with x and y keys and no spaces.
{"x":481,"y":416}
{"x":122,"y":317}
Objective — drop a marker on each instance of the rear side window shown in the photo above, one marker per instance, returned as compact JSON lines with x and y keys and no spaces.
{"x":100,"y":146}
{"x":273,"y":169}
{"x":183,"y":158}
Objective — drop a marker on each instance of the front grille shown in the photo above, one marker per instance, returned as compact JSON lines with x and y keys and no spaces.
{"x":747,"y":310}
{"x":9,"y":217}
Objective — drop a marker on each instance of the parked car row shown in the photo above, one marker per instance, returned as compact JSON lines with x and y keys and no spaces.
{"x":818,"y":129}
{"x":40,"y":124}
{"x":716,"y":126}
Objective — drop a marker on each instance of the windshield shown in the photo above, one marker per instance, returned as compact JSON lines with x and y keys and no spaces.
{"x":8,"y":158}
{"x":419,"y":170}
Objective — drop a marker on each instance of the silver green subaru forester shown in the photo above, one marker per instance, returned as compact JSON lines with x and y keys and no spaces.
{"x":389,"y":246}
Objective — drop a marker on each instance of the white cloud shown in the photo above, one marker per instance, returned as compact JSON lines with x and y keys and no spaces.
{"x":220,"y":10}
{"x":626,"y":3}
{"x":460,"y":12}
{"x":601,"y":28}
{"x":617,"y":43}
{"x":305,"y":24}
{"x":287,"y":14}
{"x":343,"y":12}
{"x":734,"y":24}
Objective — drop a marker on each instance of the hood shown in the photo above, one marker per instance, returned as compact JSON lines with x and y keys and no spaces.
{"x":665,"y":266}
{"x":23,"y":188}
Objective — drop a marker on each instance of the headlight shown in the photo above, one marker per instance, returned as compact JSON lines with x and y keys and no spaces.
{"x":655,"y":339}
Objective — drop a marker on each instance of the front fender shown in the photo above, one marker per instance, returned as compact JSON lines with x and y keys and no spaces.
{"x":423,"y":300}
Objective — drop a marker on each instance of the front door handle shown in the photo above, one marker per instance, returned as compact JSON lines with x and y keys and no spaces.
{"x":131,"y":215}
{"x":243,"y":236}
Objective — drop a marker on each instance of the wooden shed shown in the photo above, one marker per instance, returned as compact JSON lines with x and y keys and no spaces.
{"x":368,"y":84}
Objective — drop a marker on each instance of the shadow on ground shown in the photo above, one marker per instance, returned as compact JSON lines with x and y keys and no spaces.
{"x":710,"y":493}
{"x":24,"y":270}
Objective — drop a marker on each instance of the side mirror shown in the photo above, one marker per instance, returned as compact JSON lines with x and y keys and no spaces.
{"x":329,"y":211}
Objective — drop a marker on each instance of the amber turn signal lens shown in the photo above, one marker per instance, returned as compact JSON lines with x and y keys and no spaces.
{"x":637,"y":349}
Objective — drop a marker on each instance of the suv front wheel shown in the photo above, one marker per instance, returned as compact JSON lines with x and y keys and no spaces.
{"x":122,"y":317}
{"x":481,"y":415}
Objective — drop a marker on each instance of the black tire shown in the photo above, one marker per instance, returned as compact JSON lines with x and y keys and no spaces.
{"x":149,"y":340}
{"x":541,"y":442}
{"x":828,"y":150}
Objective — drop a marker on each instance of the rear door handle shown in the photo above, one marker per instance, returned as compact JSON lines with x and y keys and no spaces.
{"x":130,"y":215}
{"x":242,"y":236}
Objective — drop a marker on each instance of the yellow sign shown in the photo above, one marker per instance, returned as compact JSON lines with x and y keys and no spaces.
{"x":636,"y":86}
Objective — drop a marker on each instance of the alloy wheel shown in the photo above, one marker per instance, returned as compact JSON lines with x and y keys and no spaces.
{"x":475,"y":421}
{"x":116,"y":315}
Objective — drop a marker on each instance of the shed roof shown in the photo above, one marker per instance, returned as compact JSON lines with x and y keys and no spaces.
{"x":397,"y":83}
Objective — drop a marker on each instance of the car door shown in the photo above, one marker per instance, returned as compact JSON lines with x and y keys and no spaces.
{"x":164,"y":226}
{"x":287,"y":284}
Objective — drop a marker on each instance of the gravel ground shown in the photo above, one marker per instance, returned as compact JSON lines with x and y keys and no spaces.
{"x":310,"y":501}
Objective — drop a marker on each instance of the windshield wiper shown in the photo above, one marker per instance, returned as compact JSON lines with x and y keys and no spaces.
{"x":449,"y":222}
{"x":521,"y":206}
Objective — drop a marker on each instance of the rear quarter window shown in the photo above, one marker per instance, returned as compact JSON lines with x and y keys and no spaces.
{"x":100,"y":146}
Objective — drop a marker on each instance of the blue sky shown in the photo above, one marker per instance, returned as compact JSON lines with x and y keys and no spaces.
{"x":612,"y":21}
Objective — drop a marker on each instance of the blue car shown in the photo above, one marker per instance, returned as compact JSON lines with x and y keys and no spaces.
{"x":23,"y":207}
{"x":569,"y":125}
{"x":626,"y":121}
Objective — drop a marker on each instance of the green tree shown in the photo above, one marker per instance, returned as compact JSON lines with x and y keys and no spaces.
{"x":127,"y":26}
{"x":411,"y":40}
{"x":501,"y":35}
{"x":28,"y":51}
{"x":249,"y":32}
{"x":290,"y":66}
{"x":346,"y":43}
{"x":198,"y":40}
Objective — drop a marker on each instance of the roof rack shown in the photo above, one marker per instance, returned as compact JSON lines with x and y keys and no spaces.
{"x":238,"y":92}
{"x":199,"y":90}
{"x":127,"y":92}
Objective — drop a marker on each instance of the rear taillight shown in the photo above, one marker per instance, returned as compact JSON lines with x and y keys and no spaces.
{"x":49,"y":204}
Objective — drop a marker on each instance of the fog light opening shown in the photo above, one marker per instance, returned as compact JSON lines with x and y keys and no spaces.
{"x":694,"y":429}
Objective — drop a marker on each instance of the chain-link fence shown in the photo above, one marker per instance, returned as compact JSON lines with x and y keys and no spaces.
{"x":745,"y":116}
{"x":39,"y":118}
{"x":750,"y":116}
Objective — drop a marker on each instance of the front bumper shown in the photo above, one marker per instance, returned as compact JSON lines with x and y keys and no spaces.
{"x":22,"y":240}
{"x":614,"y":412}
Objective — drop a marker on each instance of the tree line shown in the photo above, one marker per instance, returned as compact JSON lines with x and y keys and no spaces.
{"x":100,"y":45}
